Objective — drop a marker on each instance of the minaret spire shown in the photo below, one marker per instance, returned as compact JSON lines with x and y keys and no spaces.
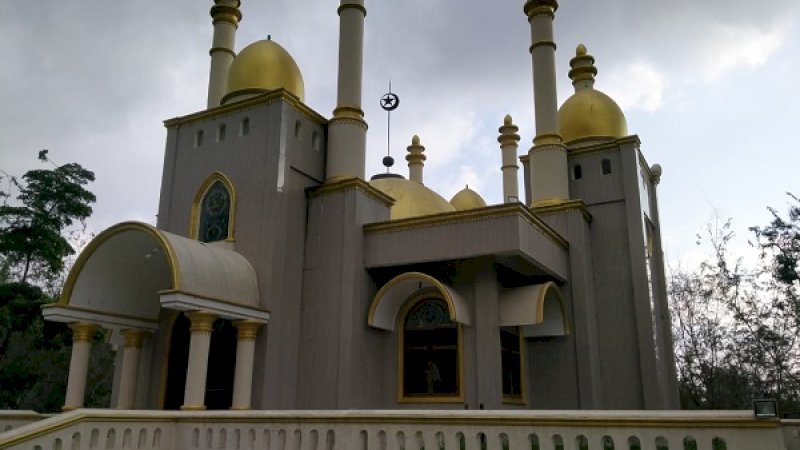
{"x":508,"y":140}
{"x":548,"y":157}
{"x":347,"y":130}
{"x":416,"y":160}
{"x":226,"y":17}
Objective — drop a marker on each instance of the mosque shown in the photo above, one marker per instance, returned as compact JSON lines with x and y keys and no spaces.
{"x":280,"y":276}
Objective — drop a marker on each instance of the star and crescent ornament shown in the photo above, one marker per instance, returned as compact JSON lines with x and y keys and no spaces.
{"x":390,"y":101}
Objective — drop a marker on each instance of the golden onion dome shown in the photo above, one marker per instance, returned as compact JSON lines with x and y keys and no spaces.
{"x":467,"y":199}
{"x":264,"y":66}
{"x":589,"y":113}
{"x":411,"y":199}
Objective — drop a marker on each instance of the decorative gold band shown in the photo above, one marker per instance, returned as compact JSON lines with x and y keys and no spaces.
{"x":134,"y":338}
{"x":542,"y":44}
{"x":247,"y":330}
{"x":537,"y":7}
{"x":82,"y":331}
{"x":193,"y":408}
{"x":222,"y":49}
{"x":202,"y":321}
{"x":226,"y":13}
{"x":547,"y":139}
{"x":348,"y":112}
{"x":345,"y":6}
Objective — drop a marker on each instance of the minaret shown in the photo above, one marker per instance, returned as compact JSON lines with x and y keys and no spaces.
{"x":347,"y":130}
{"x":548,"y":157}
{"x":416,"y":160}
{"x":508,"y":140}
{"x":226,"y":17}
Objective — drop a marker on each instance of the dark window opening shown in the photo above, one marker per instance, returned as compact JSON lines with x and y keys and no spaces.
{"x":511,"y":351}
{"x":606,"y":165}
{"x":577,"y":172}
{"x":244,"y":127}
{"x":430,"y":350}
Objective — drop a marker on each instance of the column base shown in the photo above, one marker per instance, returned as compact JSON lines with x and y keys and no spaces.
{"x":193,"y":408}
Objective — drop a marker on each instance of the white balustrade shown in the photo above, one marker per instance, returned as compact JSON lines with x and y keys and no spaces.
{"x":402,"y":430}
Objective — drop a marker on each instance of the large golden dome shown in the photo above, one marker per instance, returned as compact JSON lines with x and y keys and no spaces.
{"x":467,"y":199}
{"x":264,"y":66}
{"x":411,"y":199}
{"x":589,"y":113}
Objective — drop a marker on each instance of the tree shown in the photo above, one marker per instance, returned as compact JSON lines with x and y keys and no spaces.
{"x":36,"y":236}
{"x":33,"y":232}
{"x":736,"y":329}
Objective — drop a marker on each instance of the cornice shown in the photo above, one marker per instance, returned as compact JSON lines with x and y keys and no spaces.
{"x":472,"y":215}
{"x":346,"y":184}
{"x":262,"y":99}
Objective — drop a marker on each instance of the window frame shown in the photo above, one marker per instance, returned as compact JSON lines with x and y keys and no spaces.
{"x":411,"y":301}
{"x":523,"y":384}
{"x":197,"y":206}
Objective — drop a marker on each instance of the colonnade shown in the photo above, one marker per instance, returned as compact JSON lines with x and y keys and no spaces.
{"x":196,"y":370}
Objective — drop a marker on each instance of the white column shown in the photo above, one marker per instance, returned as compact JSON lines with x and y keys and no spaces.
{"x":82,"y":334}
{"x":130,"y":367}
{"x":508,"y":140}
{"x":226,"y":17}
{"x":416,"y":160}
{"x":347,"y":130}
{"x":548,"y":157}
{"x":247,"y":331}
{"x":196,"y":371}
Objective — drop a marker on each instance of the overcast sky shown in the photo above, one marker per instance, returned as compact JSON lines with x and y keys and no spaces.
{"x":709,"y":86}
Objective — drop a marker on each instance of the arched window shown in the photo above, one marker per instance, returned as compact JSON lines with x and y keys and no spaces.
{"x":430,"y":357}
{"x":213,"y":210}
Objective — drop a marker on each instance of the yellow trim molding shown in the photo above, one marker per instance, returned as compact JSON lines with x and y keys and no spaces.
{"x":172,"y":260}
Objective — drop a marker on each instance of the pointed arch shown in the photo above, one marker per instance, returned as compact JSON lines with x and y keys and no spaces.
{"x":197,"y":205}
{"x":390,"y":298}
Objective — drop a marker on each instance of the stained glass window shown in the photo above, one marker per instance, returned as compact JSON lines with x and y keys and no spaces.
{"x":215,"y":214}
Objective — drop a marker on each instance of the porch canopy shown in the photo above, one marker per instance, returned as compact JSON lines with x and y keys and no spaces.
{"x":130,"y":271}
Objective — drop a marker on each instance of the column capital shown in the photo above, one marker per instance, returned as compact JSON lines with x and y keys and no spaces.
{"x":82,"y":331}
{"x":352,"y":4}
{"x":538,"y":7}
{"x":226,"y":11}
{"x":247,"y":329}
{"x":134,"y":337}
{"x":201,"y":320}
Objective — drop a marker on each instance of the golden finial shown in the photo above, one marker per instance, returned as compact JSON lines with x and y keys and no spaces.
{"x":583,"y":69}
{"x":415,"y":140}
{"x":507,"y":120}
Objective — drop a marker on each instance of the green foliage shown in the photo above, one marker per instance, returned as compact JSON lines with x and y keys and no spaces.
{"x":32,"y":232}
{"x":35,"y":240}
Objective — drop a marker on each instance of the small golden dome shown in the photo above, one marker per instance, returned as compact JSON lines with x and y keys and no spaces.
{"x":591,"y":114}
{"x":467,"y":199}
{"x":264,"y":66}
{"x":411,"y":199}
